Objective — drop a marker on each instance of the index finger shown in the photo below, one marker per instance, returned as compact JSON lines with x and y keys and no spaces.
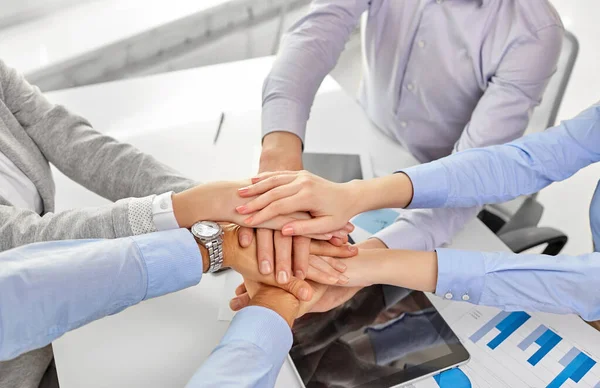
{"x":324,"y":248}
{"x":268,"y":174}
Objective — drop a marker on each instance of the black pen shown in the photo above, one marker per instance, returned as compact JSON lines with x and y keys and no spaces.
{"x":219,"y":128}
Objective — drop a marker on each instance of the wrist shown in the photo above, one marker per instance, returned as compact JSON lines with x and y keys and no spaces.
{"x":208,"y":202}
{"x":281,"y":151}
{"x":278,"y":300}
{"x":205,"y":258}
{"x":392,"y":191}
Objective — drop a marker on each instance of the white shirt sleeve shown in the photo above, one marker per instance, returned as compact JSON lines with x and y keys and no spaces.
{"x":162,"y":212}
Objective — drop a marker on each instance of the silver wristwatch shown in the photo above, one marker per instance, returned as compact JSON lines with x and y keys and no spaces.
{"x":210,"y":235}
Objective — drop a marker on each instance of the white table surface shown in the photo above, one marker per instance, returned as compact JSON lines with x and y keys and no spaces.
{"x":161,"y":342}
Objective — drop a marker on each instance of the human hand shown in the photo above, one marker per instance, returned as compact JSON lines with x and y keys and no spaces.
{"x":247,"y":291}
{"x":276,"y":299}
{"x":320,"y":267}
{"x":327,"y":297}
{"x":279,"y":193}
{"x":216,"y":201}
{"x":243,"y":260}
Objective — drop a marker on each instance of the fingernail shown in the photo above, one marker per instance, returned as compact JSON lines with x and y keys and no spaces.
{"x":340,"y":266}
{"x":344,"y":279}
{"x":234,"y":304}
{"x":287,"y":231}
{"x":341,"y":234}
{"x":245,"y":240}
{"x":241,"y":209}
{"x":328,"y":236}
{"x":243,"y":190}
{"x":248,"y":220}
{"x":255,"y":179}
{"x":333,"y":279}
{"x":300,"y":274}
{"x":303,"y":293}
{"x":265,"y":267}
{"x":352,"y":248}
{"x":282,"y":277}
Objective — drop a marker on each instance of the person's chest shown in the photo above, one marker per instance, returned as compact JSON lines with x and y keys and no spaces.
{"x":17,"y":188}
{"x":438,"y":54}
{"x":23,"y":168}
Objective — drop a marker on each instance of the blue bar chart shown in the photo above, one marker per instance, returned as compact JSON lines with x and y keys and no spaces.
{"x":507,"y":323}
{"x":576,"y":364}
{"x":516,"y":332}
{"x":545,"y":338}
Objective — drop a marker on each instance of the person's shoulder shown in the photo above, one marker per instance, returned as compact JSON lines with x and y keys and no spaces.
{"x":537,"y":14}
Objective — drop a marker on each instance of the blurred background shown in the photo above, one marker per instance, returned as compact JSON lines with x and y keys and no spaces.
{"x":61,"y":44}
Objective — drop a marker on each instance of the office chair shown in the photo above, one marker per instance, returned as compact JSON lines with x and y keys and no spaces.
{"x":515,"y":222}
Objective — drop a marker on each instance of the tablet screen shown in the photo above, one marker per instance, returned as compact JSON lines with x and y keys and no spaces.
{"x":382,"y":337}
{"x":338,"y":168}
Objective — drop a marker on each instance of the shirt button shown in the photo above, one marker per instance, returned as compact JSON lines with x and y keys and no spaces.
{"x":403,"y":124}
{"x":448,"y":295}
{"x":421,"y":43}
{"x":410,"y":87}
{"x":164,"y":205}
{"x":466,"y":297}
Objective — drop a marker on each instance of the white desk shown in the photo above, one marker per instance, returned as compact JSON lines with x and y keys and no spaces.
{"x":161,"y":342}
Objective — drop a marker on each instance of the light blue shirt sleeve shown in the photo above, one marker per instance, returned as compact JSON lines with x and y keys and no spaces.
{"x":48,"y":289}
{"x":559,"y":284}
{"x":500,"y":173}
{"x":556,"y":284}
{"x":250,"y":354}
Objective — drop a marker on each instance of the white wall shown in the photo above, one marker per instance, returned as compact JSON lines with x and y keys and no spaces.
{"x":17,"y":11}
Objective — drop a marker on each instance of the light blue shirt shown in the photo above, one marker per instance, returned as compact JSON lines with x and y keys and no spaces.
{"x":48,"y":289}
{"x":438,"y":76}
{"x":558,"y":284}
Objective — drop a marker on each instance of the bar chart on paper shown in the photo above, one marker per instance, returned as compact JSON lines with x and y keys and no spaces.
{"x":515,"y":350}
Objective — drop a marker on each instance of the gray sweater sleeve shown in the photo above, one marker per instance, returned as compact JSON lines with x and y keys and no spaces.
{"x":101,"y":164}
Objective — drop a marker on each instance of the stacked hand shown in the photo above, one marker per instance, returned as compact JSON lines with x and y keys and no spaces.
{"x":323,"y":267}
{"x":325,"y":296}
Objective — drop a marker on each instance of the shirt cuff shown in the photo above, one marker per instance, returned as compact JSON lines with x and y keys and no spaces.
{"x":173,"y":261}
{"x":162,"y":212}
{"x":264,"y":328}
{"x":430,"y":185}
{"x":403,"y":235}
{"x":284,"y":115}
{"x":461,"y":275}
{"x":139,"y":214}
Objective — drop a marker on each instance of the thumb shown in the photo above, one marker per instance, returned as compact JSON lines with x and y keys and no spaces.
{"x":299,"y":288}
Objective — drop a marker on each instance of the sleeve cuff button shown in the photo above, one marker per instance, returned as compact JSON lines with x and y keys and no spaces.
{"x":466,"y":297}
{"x":448,"y":295}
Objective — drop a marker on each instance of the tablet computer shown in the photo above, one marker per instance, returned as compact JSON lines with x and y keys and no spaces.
{"x":383,"y":337}
{"x":338,"y":168}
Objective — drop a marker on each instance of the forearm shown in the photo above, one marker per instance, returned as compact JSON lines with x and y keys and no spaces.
{"x":409,"y":269}
{"x":255,"y":345}
{"x":48,"y":289}
{"x":100,"y":163}
{"x":500,"y":173}
{"x":308,"y":53}
{"x":21,"y":227}
{"x":217,"y":201}
{"x":557,"y":284}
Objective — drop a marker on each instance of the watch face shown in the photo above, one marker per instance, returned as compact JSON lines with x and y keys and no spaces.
{"x":206,"y":229}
